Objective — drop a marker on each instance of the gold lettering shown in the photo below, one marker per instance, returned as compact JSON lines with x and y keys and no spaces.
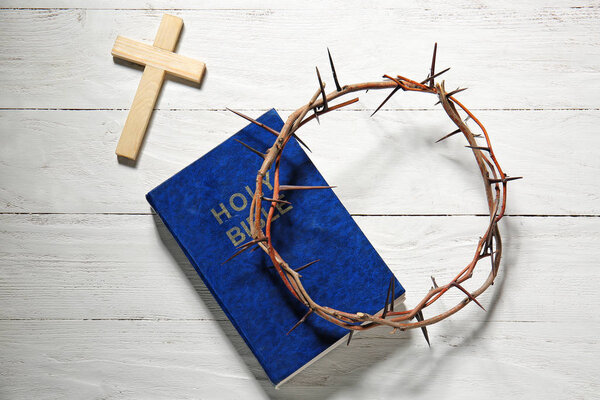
{"x":262,"y":222}
{"x":217,"y":215}
{"x":246,"y":227}
{"x":266,"y":215}
{"x":280,"y":206}
{"x":238,"y":202}
{"x":234,"y":206}
{"x":236,"y":232}
{"x":266,"y":181}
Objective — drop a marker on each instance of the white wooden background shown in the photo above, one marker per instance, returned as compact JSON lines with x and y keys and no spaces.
{"x":97,"y":301}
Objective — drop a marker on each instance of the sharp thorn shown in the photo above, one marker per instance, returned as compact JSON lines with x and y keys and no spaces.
{"x":302,"y":143}
{"x":300,"y":321}
{"x":275,"y":200}
{"x":349,"y":337}
{"x":432,"y":72}
{"x":294,"y":187}
{"x":489,"y":243}
{"x":271,"y":130}
{"x":386,"y":99}
{"x":322,"y":89}
{"x":252,"y":149}
{"x":479,"y":148}
{"x":420,"y":318}
{"x":469,"y":295}
{"x":435,"y":285}
{"x":393,"y":294}
{"x":306,"y":266}
{"x":455,"y":91}
{"x":316,"y":115}
{"x":492,"y":260}
{"x":335,"y":79}
{"x":237,"y":253}
{"x":335,"y":107}
{"x":434,"y":76}
{"x":512,"y":178}
{"x":448,"y":135}
{"x":388,"y":295}
{"x":251,"y":242}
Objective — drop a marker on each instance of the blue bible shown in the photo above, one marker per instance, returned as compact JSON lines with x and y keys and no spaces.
{"x":206,"y":208}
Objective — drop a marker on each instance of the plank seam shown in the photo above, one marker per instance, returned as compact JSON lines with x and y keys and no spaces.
{"x":289,"y":109}
{"x":352,"y":214}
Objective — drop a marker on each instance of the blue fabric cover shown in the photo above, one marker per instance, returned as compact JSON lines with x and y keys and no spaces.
{"x":350,"y":275}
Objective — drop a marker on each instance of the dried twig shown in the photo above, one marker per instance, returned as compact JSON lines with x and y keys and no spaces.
{"x":490,"y":244}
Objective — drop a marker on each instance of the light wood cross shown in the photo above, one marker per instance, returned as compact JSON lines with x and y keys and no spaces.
{"x":158,"y":60}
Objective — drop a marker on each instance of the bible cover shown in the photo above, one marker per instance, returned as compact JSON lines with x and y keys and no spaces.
{"x":206,"y":208}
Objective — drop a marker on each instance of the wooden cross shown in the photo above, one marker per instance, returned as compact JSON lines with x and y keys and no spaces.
{"x":158,"y":60}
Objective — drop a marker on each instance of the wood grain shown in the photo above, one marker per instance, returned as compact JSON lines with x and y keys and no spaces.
{"x":134,"y":129}
{"x":97,"y":301}
{"x":112,"y":306}
{"x":261,"y":62}
{"x":129,"y":267}
{"x":172,"y":63}
{"x":142,"y":5}
{"x":206,"y":359}
{"x":406,"y":172}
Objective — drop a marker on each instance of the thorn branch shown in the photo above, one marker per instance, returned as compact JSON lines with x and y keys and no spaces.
{"x":488,"y":246}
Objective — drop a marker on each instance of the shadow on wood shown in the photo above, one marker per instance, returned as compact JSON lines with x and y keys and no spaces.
{"x":339,"y":369}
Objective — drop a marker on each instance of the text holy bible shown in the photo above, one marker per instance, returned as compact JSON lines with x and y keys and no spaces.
{"x":206,"y":208}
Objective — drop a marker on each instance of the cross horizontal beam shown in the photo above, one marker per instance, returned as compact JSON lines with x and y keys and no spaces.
{"x":147,"y":55}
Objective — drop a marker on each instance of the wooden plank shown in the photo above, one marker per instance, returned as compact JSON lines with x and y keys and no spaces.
{"x":106,"y":306}
{"x":145,"y":54}
{"x":388,"y":164}
{"x":100,"y":306}
{"x":203,"y":359}
{"x":129,"y":267}
{"x":259,"y":61}
{"x":263,"y":5}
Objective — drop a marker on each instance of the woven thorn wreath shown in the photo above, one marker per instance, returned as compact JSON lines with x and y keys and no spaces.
{"x":489,"y":245}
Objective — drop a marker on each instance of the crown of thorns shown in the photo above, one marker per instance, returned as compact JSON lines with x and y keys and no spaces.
{"x":489,"y":245}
